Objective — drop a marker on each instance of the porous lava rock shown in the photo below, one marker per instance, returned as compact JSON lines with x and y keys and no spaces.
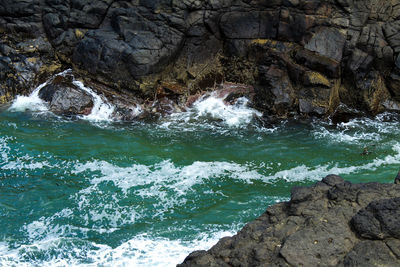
{"x":332,"y":223}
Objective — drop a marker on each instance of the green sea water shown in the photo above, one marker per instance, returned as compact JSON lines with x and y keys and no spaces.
{"x":100,"y":193}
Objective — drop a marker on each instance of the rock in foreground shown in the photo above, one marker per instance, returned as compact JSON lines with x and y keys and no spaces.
{"x":332,"y":223}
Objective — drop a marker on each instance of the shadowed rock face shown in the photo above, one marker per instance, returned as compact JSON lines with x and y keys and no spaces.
{"x":301,"y":56}
{"x":333,"y":223}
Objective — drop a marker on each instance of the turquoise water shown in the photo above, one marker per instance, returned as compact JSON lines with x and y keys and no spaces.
{"x":82,"y":192}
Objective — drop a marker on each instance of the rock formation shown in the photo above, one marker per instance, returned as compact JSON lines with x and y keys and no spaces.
{"x":65,"y":98}
{"x":333,"y":223}
{"x":301,"y":56}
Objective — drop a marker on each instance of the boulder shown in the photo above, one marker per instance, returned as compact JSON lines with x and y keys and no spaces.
{"x":65,"y":98}
{"x":379,"y":220}
{"x":318,"y":63}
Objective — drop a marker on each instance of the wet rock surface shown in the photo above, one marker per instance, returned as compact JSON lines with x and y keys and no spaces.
{"x":332,"y":223}
{"x":302,"y":57}
{"x":65,"y":98}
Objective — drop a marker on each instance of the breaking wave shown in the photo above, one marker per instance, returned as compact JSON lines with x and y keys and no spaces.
{"x":135,"y":202}
{"x":211,"y":111}
{"x":142,"y":250}
{"x":358,"y":131}
{"x":102,"y":109}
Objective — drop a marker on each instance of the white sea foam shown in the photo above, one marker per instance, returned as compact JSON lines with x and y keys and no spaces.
{"x":18,"y":164}
{"x":305,"y":173}
{"x":142,"y":250}
{"x":55,"y":239}
{"x":178,"y":179}
{"x":233,"y":115}
{"x":377,"y":124}
{"x":165,"y":182}
{"x":32,"y":102}
{"x":212,"y":107}
{"x":14,"y":160}
{"x":344,"y":136}
{"x":155,"y":180}
{"x":169,"y":184}
{"x":102,"y":110}
{"x":4,"y":149}
{"x":357,"y":131}
{"x":145,"y":251}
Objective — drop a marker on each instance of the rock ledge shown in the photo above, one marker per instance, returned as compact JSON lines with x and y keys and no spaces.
{"x":332,"y":223}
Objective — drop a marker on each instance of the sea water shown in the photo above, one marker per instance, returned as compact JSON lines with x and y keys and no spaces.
{"x":97,"y":192}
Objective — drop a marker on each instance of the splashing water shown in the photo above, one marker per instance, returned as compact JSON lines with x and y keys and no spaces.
{"x":102,"y":110}
{"x":31,"y":102}
{"x":77,"y":194}
{"x":211,"y":109}
{"x":233,"y":115}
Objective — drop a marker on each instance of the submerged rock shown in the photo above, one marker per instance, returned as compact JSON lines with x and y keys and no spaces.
{"x":126,"y":110}
{"x":332,"y":223}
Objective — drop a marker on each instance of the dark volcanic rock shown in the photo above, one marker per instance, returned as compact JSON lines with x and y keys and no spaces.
{"x":65,"y":98}
{"x":344,"y":114}
{"x":70,"y":101}
{"x":301,"y":57}
{"x":332,"y":223}
{"x":379,"y":220}
{"x":372,"y":253}
{"x":332,"y":36}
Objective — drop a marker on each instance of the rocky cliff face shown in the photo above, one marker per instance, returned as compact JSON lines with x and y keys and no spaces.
{"x":333,"y":223}
{"x":301,"y":56}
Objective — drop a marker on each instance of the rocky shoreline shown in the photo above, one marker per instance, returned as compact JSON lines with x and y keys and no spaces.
{"x":332,"y":223}
{"x":337,"y":58}
{"x":291,"y":58}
